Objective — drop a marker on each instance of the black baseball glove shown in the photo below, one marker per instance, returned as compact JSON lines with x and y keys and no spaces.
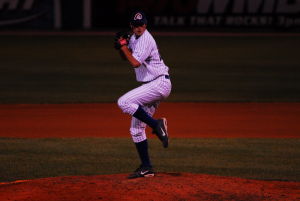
{"x":121,"y":38}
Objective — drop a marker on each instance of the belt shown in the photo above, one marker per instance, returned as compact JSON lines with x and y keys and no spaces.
{"x":166,"y":76}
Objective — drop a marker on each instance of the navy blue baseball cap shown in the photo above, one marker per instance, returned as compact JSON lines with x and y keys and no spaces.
{"x":138,"y":18}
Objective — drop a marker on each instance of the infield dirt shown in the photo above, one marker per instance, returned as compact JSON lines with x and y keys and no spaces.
{"x":164,"y":186}
{"x":185,"y":120}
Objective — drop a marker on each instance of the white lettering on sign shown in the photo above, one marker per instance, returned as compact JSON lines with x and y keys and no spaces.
{"x":249,"y":21}
{"x":285,"y":21}
{"x":284,"y":6}
{"x":13,"y":4}
{"x":169,"y":20}
{"x":248,"y":6}
{"x":202,"y":21}
{"x":218,"y":6}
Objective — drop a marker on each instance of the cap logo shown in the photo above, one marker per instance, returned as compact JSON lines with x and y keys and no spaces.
{"x":138,"y":16}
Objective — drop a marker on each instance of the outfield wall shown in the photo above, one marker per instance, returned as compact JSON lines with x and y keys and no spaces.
{"x":278,"y":15}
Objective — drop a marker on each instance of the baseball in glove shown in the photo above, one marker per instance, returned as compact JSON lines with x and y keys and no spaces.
{"x":121,"y":38}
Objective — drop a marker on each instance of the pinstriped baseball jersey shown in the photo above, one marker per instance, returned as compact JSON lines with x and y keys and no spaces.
{"x":144,"y":50}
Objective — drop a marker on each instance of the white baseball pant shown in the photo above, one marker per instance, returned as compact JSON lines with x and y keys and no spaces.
{"x":148,"y":97}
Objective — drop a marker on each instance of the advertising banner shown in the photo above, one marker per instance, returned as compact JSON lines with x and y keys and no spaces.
{"x":28,"y":14}
{"x":106,"y":14}
{"x":203,"y":13}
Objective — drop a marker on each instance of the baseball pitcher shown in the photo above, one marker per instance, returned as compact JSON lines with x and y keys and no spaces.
{"x":140,"y":50}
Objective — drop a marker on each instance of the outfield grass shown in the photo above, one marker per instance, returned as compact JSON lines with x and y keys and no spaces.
{"x":269,"y":159}
{"x":76,"y":69}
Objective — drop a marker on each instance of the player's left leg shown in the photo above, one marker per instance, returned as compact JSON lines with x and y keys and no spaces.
{"x":132,"y":103}
{"x":138,"y":133}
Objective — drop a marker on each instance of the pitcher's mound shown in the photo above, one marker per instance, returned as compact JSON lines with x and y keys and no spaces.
{"x":164,"y":186}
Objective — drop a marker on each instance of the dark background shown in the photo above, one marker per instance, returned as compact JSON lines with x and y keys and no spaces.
{"x":162,"y":14}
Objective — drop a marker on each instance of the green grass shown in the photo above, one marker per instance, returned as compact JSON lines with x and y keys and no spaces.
{"x":76,"y":69}
{"x":268,"y":159}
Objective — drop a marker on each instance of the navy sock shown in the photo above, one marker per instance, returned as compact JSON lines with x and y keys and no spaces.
{"x":143,"y":116}
{"x":142,"y":148}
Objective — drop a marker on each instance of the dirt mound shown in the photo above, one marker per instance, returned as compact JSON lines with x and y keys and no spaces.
{"x":165,"y":186}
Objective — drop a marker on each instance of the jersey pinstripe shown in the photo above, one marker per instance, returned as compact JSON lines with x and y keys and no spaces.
{"x":144,"y":49}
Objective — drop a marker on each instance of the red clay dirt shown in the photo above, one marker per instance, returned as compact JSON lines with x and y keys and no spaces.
{"x":186,"y":120}
{"x":164,"y":187}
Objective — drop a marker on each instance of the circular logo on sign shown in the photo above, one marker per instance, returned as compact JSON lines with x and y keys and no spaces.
{"x":138,"y":16}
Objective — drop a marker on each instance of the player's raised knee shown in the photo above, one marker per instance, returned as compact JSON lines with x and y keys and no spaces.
{"x":127,"y":107}
{"x":123,"y":105}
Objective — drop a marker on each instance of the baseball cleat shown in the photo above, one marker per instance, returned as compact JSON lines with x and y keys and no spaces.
{"x":161,"y":132}
{"x":141,"y":172}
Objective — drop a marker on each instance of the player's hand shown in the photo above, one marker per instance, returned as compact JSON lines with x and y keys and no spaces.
{"x":121,"y":39}
{"x":119,"y":43}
